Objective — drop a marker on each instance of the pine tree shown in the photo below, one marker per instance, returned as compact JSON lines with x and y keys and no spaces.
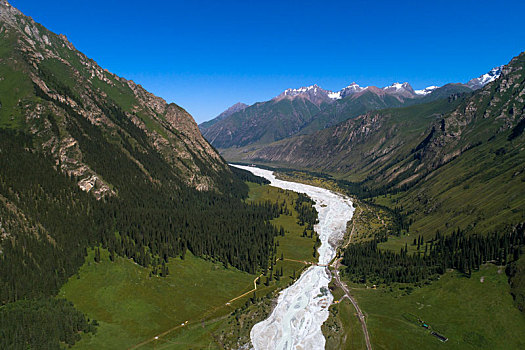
{"x":97,"y":255}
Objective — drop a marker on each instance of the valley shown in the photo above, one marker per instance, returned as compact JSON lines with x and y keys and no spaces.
{"x":302,"y":308}
{"x":453,"y":303}
{"x":455,"y":306}
{"x":376,"y":216}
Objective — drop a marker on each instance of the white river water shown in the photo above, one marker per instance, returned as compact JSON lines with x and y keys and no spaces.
{"x":302,"y":308}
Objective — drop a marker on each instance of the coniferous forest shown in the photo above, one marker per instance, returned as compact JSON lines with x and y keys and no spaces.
{"x":57,"y":320}
{"x":48,"y":224}
{"x":306,"y":211}
{"x":366,"y":263}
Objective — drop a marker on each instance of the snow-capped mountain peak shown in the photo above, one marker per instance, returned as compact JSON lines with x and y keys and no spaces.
{"x":396,"y":86}
{"x":354,"y":87}
{"x":313,"y":93}
{"x":294,"y":92}
{"x":400,"y":89}
{"x":426,"y":90}
{"x":351,"y":89}
{"x":317,"y":95}
{"x":399,"y":86}
{"x":317,"y":91}
{"x":478,"y":83}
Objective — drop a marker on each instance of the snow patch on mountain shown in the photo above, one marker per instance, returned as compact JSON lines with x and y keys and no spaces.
{"x":312,"y":89}
{"x":426,"y":90}
{"x":478,"y":83}
{"x":351,"y":89}
{"x":335,"y":95}
{"x":396,"y":86}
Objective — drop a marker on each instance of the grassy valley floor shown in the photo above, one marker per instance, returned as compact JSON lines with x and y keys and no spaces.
{"x":133,"y":307}
{"x":473,"y":313}
{"x":343,"y":330}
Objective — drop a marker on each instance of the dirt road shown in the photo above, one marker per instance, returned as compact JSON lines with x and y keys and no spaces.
{"x":360,"y":314}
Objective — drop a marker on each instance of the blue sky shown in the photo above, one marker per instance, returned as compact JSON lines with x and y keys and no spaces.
{"x":208,"y":55}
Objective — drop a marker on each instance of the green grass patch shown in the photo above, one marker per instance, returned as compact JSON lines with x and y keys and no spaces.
{"x":292,"y":245}
{"x":342,"y":330}
{"x":120,"y":93}
{"x":131,"y":306}
{"x":474,"y":313}
{"x":61,"y":72}
{"x":15,"y":89}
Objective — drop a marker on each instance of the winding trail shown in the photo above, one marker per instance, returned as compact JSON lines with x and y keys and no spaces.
{"x":360,"y":314}
{"x":248,"y":292}
{"x":157,"y":337}
{"x":302,"y":308}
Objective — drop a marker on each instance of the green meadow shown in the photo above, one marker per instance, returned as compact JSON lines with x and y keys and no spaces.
{"x":342,"y":330}
{"x":473,"y":313}
{"x":133,"y":307}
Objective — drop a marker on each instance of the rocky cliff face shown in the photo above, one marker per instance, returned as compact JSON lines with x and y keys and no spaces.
{"x":46,"y":85}
{"x":495,"y":109}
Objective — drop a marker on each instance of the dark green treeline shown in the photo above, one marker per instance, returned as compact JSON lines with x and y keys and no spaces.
{"x":365,"y":262}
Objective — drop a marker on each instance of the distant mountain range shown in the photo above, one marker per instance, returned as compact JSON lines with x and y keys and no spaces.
{"x":457,"y":161}
{"x":308,"y":109}
{"x":314,"y":92}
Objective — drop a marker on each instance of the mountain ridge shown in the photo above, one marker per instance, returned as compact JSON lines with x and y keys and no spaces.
{"x":67,"y":80}
{"x":327,"y":108}
{"x":239,"y":106}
